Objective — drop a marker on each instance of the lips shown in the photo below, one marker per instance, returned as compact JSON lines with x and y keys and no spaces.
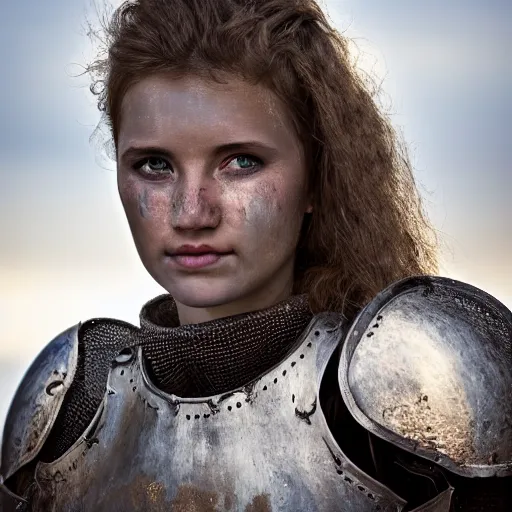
{"x":194,"y":257}
{"x":193,"y":250}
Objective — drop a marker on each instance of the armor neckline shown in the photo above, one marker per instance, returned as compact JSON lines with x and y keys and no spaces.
{"x":246,"y":388}
{"x":215,"y":357}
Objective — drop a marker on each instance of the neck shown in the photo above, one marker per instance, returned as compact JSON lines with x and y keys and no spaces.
{"x":254,"y":302}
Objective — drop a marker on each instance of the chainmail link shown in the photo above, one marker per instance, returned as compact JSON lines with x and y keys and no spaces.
{"x":217,"y":356}
{"x":188,"y":361}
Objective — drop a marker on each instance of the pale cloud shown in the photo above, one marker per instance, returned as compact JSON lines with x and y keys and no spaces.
{"x":435,"y":56}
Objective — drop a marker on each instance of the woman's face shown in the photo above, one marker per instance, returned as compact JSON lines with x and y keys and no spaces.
{"x":213,"y":181}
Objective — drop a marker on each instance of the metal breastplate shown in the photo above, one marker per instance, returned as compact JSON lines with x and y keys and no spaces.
{"x":266,"y":447}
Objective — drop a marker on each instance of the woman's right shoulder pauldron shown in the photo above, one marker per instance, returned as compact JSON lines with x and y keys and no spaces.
{"x":37,"y":402}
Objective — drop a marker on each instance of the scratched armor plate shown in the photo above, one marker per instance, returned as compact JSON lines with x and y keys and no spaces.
{"x":265,"y":447}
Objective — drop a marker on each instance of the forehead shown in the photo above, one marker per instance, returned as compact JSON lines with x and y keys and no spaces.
{"x":193,"y":107}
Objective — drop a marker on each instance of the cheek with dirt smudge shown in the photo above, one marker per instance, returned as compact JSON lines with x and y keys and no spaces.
{"x":268,"y":214}
{"x":261,"y":212}
{"x":253,"y":207}
{"x":133,"y":196}
{"x":143,"y":202}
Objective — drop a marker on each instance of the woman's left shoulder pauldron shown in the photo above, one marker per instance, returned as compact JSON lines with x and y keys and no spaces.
{"x":427,"y":366}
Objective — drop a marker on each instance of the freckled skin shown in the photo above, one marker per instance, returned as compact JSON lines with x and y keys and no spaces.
{"x":257,"y":215}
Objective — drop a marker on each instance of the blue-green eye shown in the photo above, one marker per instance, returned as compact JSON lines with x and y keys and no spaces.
{"x":154,"y":166}
{"x":244,"y":164}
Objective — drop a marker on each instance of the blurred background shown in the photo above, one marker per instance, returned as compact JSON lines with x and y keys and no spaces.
{"x":66,"y":251}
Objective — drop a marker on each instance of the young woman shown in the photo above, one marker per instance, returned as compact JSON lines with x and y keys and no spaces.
{"x":263,"y":187}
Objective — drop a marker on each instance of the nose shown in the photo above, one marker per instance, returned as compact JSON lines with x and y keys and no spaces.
{"x":195,"y":206}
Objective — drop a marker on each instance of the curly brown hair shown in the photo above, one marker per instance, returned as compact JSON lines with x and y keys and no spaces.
{"x":368,"y":228}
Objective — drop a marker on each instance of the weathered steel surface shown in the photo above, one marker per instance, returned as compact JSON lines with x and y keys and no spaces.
{"x":37,"y":402}
{"x":441,"y":503}
{"x":10,"y":502}
{"x":428,"y":366}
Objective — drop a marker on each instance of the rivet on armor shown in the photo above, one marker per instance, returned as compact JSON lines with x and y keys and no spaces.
{"x":54,"y":387}
{"x":58,"y":477}
{"x":125,"y":356}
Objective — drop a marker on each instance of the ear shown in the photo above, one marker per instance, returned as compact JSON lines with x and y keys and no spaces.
{"x":309,"y":208}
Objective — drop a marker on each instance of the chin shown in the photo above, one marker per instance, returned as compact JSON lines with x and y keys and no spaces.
{"x":205,"y":293}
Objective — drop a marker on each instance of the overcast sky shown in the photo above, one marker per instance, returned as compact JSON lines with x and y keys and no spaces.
{"x":66,"y":251}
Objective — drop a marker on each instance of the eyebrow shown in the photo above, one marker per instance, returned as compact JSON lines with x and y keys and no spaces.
{"x":140,"y":151}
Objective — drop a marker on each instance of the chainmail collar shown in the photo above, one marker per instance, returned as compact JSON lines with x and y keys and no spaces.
{"x":209,"y":358}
